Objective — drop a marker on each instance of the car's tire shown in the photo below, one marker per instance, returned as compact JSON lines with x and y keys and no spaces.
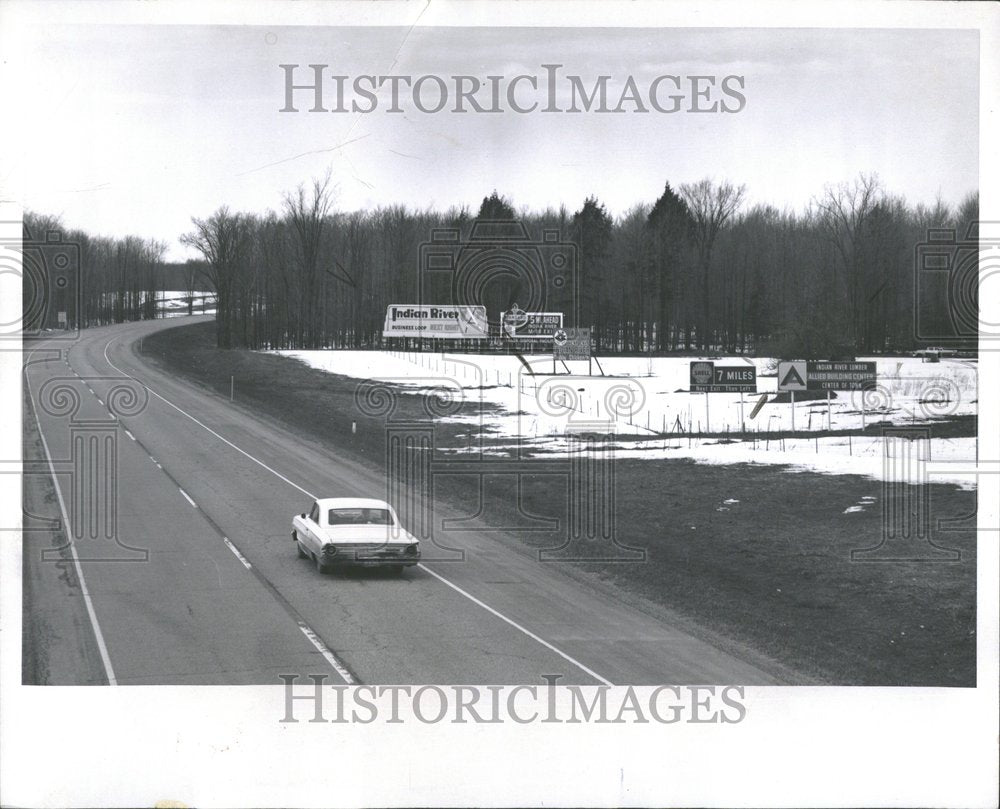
{"x":298,"y":546}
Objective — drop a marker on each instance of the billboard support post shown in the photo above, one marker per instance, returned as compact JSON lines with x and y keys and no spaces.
{"x":829,"y":413}
{"x":706,"y":413}
{"x":793,"y":411}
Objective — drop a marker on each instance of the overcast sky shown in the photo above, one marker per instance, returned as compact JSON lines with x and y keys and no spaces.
{"x":134,"y":129}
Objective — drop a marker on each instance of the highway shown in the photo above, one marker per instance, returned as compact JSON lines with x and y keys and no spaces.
{"x":201,"y":584}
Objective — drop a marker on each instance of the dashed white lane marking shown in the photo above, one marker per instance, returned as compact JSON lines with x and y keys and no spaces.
{"x":329,"y":656}
{"x":99,"y":400}
{"x":317,"y":642}
{"x":204,"y":426}
{"x":187,"y":496}
{"x":132,"y":437}
{"x":236,"y":552}
{"x":102,"y":647}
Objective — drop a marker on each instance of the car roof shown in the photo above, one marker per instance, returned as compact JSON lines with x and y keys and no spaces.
{"x":351,"y":502}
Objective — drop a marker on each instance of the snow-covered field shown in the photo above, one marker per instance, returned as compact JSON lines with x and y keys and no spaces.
{"x":174,"y":303}
{"x":645,"y":403}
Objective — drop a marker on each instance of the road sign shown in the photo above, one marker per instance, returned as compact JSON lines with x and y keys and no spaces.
{"x":61,"y":316}
{"x":521,"y":325}
{"x":792,"y":375}
{"x":826,"y":375}
{"x":842,"y":375}
{"x":707,"y":377}
{"x":575,"y":344}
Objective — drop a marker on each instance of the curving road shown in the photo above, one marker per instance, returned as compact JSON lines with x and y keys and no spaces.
{"x":196,"y":581}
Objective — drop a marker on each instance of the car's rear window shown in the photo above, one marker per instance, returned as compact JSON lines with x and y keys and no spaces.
{"x":359,"y":516}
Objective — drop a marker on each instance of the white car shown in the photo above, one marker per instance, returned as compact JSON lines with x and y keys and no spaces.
{"x":352,"y":530}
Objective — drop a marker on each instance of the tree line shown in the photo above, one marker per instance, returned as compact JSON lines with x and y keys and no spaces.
{"x":699,"y":269}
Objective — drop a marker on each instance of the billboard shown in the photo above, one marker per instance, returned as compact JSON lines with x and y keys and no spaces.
{"x":436,"y":322}
{"x":826,"y":375}
{"x":707,"y":377}
{"x":521,"y":325}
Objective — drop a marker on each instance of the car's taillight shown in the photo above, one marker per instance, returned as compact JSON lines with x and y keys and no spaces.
{"x":412,"y":550}
{"x":329,"y":550}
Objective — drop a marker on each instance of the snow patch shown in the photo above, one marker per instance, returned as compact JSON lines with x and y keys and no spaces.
{"x":646,"y":400}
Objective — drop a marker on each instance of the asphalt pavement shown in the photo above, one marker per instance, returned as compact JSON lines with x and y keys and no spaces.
{"x":181,"y":504}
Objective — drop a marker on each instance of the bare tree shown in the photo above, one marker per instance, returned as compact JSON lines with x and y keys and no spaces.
{"x":224,"y":240}
{"x":307,"y":215}
{"x":844,"y":214}
{"x":711,"y":205}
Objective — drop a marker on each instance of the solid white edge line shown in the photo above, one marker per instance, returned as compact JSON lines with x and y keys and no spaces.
{"x":109,"y":671}
{"x":130,"y":435}
{"x":187,"y":497}
{"x":317,"y":642}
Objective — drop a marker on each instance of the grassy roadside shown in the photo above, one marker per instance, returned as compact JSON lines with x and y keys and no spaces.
{"x":753,"y":553}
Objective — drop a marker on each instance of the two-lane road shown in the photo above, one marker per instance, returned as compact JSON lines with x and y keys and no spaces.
{"x":201,"y":583}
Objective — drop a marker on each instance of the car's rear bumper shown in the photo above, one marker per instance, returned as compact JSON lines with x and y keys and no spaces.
{"x":347,"y":555}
